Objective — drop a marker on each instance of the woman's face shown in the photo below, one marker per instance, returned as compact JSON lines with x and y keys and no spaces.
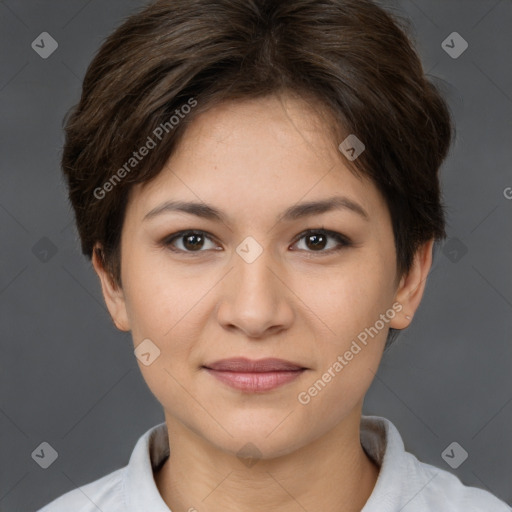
{"x":259,"y":283}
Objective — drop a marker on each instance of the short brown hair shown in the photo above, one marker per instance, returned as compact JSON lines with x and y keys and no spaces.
{"x":352,"y":57}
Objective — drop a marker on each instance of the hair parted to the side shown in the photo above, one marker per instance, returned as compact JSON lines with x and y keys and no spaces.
{"x":351,"y":58}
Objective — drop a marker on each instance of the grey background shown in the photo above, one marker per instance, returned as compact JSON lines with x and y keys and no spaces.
{"x":69,"y":378}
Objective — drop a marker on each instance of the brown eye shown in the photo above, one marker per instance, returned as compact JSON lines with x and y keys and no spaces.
{"x":188,"y":241}
{"x":317,"y":240}
{"x":193,"y":241}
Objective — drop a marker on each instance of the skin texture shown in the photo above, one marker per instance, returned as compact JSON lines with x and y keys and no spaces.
{"x":297,"y":301}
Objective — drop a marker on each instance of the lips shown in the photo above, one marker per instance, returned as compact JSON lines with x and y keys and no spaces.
{"x":254,"y":376}
{"x":241,"y":364}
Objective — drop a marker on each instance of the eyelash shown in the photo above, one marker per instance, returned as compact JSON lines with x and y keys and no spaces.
{"x":341,"y":239}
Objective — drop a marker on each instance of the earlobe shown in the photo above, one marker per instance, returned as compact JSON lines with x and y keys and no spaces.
{"x":112,"y":293}
{"x":411,"y":287}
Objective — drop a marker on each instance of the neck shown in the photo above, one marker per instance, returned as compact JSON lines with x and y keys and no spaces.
{"x":331,"y":473}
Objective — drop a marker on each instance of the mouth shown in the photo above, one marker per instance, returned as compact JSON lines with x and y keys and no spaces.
{"x":254,"y":376}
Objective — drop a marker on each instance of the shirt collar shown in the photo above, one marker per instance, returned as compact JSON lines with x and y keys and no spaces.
{"x":139,"y":484}
{"x":382,"y":443}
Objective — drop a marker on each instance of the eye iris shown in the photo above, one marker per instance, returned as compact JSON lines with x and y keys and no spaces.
{"x":316,"y":237}
{"x":196,"y":237}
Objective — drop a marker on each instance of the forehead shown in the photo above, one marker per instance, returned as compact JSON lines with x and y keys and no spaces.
{"x":256,"y":155}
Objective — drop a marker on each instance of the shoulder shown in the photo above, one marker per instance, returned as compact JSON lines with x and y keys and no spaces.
{"x":105,"y":494}
{"x":406,"y":483}
{"x":131,"y":487}
{"x":442,"y":491}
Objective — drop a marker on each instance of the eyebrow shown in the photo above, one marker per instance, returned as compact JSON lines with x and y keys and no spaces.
{"x":295,"y":212}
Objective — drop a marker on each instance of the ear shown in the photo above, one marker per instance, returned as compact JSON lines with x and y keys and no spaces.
{"x":411,"y":287}
{"x":112,"y":293}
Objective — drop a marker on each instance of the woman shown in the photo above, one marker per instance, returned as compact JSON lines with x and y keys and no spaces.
{"x":257,"y":186}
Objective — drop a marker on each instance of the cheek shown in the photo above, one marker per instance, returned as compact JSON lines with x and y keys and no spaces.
{"x":349,"y":343}
{"x":350,"y":332}
{"x":169,"y":308}
{"x":348,"y":297}
{"x":158,"y":298}
{"x":164,"y":310}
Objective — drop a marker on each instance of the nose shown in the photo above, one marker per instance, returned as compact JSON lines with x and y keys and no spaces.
{"x":255,"y":298}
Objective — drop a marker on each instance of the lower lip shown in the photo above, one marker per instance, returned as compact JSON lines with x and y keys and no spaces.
{"x":254,"y":382}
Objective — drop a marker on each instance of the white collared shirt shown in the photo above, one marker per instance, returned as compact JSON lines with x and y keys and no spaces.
{"x":404,"y":483}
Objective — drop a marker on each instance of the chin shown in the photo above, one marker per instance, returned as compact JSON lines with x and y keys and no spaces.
{"x":264,"y":436}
